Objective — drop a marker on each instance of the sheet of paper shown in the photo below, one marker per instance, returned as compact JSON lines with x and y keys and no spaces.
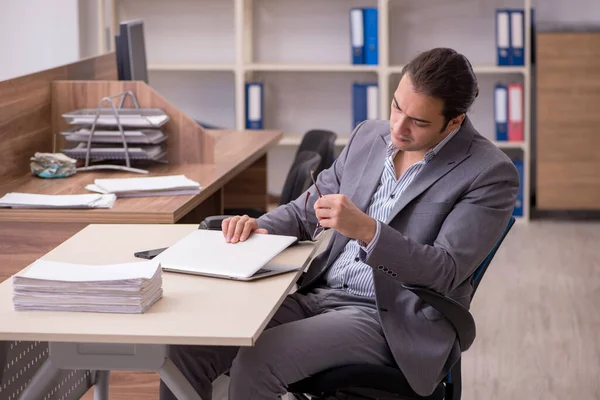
{"x":152,"y":183}
{"x":67,"y":272}
{"x":32,"y":200}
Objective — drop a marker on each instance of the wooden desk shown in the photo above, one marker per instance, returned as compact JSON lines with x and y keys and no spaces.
{"x":240,"y":159}
{"x":180,"y":317}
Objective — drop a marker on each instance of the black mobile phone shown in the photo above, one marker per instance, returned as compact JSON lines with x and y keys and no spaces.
{"x":149,"y":254}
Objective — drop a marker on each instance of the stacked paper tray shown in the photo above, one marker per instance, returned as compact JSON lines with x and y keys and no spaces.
{"x":153,"y":152}
{"x":129,"y":118}
{"x":136,"y":136}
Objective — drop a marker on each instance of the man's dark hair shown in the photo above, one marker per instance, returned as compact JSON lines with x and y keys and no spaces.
{"x":447,"y":75}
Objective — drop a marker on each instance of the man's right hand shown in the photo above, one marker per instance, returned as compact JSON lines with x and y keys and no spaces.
{"x":238,"y":229}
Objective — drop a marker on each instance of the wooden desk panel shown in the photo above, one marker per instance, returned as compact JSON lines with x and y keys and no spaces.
{"x":25,"y":110}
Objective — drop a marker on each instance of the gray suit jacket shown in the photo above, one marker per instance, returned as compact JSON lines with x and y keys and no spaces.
{"x":439,"y":231}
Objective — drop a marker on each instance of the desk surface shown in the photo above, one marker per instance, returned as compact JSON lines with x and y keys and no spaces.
{"x":234,"y":151}
{"x":193,"y":310}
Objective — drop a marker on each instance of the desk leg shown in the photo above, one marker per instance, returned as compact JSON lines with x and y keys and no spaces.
{"x":176,"y":382}
{"x":39,"y":384}
{"x":101,"y":385}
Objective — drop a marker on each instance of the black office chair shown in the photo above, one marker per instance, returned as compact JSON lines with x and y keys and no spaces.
{"x":318,"y":141}
{"x":297,"y":182}
{"x":322,"y":142}
{"x":364,"y":382}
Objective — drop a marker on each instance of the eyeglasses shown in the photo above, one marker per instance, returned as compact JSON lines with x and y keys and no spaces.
{"x":319,"y":229}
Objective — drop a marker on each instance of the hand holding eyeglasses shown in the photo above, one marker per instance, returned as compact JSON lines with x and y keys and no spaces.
{"x":338,"y":212}
{"x":239,"y":228}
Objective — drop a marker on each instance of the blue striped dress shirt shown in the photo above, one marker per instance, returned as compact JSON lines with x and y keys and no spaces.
{"x":348,"y":272}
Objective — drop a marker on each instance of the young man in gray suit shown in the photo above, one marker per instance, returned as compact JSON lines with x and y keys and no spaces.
{"x":420,"y":199}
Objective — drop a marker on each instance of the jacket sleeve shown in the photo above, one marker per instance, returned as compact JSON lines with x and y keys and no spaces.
{"x":469,"y":232}
{"x":288,"y":219}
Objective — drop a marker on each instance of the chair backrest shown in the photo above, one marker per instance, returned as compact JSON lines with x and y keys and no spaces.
{"x":298,"y":179}
{"x":480,"y":271}
{"x":321,"y":142}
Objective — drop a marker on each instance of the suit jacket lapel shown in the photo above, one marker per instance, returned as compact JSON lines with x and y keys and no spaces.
{"x":369,"y":181}
{"x":452,"y":154}
{"x":365,"y":187}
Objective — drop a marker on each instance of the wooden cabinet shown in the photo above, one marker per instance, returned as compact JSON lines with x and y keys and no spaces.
{"x":568,"y":121}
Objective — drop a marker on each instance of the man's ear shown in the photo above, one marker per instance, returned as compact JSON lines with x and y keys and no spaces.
{"x":455,"y":123}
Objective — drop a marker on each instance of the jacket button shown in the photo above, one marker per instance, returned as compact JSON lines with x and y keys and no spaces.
{"x":394,"y":275}
{"x":380,"y":267}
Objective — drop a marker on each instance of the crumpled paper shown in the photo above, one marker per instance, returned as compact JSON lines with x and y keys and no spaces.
{"x":52,"y":165}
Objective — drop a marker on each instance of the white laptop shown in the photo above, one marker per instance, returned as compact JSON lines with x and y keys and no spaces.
{"x":205,"y":252}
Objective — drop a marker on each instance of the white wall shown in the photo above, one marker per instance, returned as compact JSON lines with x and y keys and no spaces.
{"x":37,"y":35}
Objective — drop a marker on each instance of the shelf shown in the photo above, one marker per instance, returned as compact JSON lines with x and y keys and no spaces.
{"x":291,"y":139}
{"x":479,"y":69}
{"x":312,"y":68}
{"x":192,"y":67}
{"x":510,"y":145}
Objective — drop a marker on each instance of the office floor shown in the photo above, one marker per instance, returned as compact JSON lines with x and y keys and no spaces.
{"x":537,"y":317}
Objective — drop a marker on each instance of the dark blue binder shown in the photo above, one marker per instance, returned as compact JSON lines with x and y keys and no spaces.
{"x":254,"y":105}
{"x":517,"y":38}
{"x":503,"y":36}
{"x":518,"y":210}
{"x":501,"y":112}
{"x":371,"y":36}
{"x":357,"y":35}
{"x":359,"y":103}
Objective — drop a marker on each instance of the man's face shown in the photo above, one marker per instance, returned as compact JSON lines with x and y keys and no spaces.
{"x":416,"y":120}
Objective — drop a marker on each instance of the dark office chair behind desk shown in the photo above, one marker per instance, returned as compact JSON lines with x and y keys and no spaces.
{"x":296,"y":183}
{"x":364,"y":382}
{"x":317,"y":141}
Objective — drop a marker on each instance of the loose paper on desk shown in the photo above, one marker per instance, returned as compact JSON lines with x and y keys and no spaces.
{"x":57,"y":286}
{"x":32,"y":200}
{"x":170,"y":185}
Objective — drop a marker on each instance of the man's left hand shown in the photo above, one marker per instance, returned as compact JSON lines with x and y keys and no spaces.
{"x":336,"y":211}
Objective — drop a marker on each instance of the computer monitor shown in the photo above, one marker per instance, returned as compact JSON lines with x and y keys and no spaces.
{"x":131,"y":51}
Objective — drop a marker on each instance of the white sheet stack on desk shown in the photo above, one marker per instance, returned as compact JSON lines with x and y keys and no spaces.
{"x":130,"y":288}
{"x":169,"y":185}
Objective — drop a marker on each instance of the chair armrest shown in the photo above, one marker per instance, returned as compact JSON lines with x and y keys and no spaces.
{"x":213,"y":222}
{"x":459,"y":316}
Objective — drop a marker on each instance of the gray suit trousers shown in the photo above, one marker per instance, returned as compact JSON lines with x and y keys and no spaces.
{"x":309,"y":333}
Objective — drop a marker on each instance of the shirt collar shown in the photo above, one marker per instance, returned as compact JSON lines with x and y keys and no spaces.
{"x":392,"y":150}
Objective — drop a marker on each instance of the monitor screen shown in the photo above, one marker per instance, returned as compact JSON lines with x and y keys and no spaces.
{"x":131,"y":51}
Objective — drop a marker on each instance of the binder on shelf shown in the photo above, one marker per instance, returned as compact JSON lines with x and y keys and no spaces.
{"x":501,"y":112}
{"x":254,"y":105}
{"x":357,"y":36}
{"x":517,"y":37}
{"x":371,"y":36}
{"x":518,"y":210}
{"x":503,"y":37}
{"x":515,"y":112}
{"x":365,"y":102}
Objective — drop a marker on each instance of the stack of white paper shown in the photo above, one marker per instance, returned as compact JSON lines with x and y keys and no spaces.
{"x":172,"y":185}
{"x":31,"y":200}
{"x":118,"y":288}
